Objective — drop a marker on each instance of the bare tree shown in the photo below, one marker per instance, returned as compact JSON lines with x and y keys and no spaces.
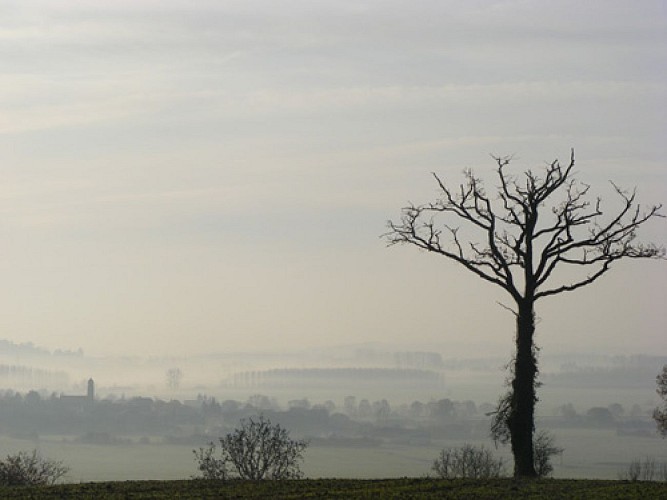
{"x":660,"y":414}
{"x":30,"y":469}
{"x":256,"y":450}
{"x":516,"y":240}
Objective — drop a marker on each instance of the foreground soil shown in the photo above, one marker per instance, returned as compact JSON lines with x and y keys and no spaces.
{"x":344,"y":488}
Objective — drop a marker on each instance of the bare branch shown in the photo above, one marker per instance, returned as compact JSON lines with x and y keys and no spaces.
{"x":516,"y":245}
{"x":507,"y":308}
{"x":574,"y":286}
{"x":426,"y":237}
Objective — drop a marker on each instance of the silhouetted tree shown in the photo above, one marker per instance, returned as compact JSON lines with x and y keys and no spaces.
{"x":660,"y":414}
{"x":256,"y":450}
{"x":515,"y":240}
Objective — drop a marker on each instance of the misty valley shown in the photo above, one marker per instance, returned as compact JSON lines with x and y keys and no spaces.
{"x":368,"y":411}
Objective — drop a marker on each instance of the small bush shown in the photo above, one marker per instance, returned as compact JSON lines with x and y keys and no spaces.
{"x":30,"y":469}
{"x":660,"y":413}
{"x":210,"y":466}
{"x":645,"y":470}
{"x":257,"y":450}
{"x":544,"y":449}
{"x":468,"y":462}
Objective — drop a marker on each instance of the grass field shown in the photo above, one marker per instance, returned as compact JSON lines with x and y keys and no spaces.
{"x":349,"y":488}
{"x":589,"y":454}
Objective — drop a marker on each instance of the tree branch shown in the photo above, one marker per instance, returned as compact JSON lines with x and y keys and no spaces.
{"x":515,"y":240}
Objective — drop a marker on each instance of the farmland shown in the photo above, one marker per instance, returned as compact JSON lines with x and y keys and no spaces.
{"x":348,"y":488}
{"x":589,"y":454}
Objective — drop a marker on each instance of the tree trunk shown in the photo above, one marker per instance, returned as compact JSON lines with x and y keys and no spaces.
{"x":521,"y":418}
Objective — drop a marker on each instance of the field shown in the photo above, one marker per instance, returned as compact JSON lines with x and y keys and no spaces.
{"x":589,"y":454}
{"x":349,"y":488}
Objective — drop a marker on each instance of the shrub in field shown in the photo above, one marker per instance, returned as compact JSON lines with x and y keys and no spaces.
{"x":544,"y":449}
{"x":256,"y":450}
{"x":660,"y":413}
{"x":645,"y":470}
{"x":30,"y":469}
{"x":468,"y":462}
{"x":210,"y":466}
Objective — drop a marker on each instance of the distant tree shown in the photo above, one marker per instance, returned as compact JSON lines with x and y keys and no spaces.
{"x":600,"y":415}
{"x":303,"y":404}
{"x":442,"y":409}
{"x":660,"y":414}
{"x":516,"y":239}
{"x":417,"y":409}
{"x":616,"y":409}
{"x":261,"y":402}
{"x":350,"y":405}
{"x":32,"y":398}
{"x":567,"y":411}
{"x":210,"y":407}
{"x":230,"y":405}
{"x":174,"y":377}
{"x":329,"y":406}
{"x":365,"y":408}
{"x":256,"y":450}
{"x":30,"y":469}
{"x":381,"y":409}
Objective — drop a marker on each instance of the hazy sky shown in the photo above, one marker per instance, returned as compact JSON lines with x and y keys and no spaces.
{"x":184,"y":176}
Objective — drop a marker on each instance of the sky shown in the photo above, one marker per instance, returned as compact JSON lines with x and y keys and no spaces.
{"x":182,"y":177}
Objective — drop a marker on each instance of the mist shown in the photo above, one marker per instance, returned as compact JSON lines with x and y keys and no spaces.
{"x":204,"y":188}
{"x":133,"y":417}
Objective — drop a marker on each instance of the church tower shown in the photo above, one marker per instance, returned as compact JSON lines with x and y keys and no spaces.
{"x":91,"y":390}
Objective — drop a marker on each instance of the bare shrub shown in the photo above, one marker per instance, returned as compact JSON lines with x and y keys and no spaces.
{"x":468,"y":462}
{"x":660,"y":413}
{"x":544,"y":449}
{"x":649,"y":469}
{"x":210,"y":466}
{"x":30,"y":469}
{"x":634,"y":470}
{"x":645,"y":470}
{"x":544,"y":445}
{"x":256,"y":450}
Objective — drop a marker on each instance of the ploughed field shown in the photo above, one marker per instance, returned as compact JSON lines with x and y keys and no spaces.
{"x":351,"y":488}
